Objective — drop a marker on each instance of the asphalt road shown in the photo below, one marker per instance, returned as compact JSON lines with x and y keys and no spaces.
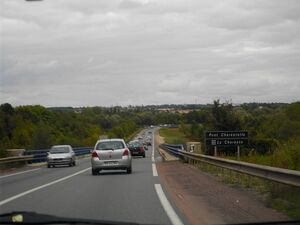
{"x":74,"y":192}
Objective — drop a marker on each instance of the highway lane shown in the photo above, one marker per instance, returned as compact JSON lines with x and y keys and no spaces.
{"x":13,"y":185}
{"x":109,"y":196}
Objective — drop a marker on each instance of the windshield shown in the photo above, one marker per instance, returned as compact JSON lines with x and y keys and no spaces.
{"x":165,"y":112}
{"x":57,"y":150}
{"x":134,"y":145}
{"x":110,"y":145}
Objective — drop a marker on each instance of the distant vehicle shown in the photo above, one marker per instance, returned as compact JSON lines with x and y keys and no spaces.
{"x":61,"y":155}
{"x":137,"y":148}
{"x":142,"y":142}
{"x":111,"y":154}
{"x":145,"y":145}
{"x":148,"y":142}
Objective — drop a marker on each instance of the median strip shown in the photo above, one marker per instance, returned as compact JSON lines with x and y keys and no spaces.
{"x":41,"y":187}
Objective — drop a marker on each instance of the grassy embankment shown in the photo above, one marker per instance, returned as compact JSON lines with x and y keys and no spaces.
{"x":173,"y":136}
{"x":131,"y":136}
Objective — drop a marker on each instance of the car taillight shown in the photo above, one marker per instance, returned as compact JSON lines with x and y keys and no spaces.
{"x":95,"y":155}
{"x":126,"y":152}
{"x":142,"y":149}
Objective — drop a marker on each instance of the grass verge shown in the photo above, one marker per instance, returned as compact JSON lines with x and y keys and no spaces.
{"x":130,"y":137}
{"x":173,"y":136}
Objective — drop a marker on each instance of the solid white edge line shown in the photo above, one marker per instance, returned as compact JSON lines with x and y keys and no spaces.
{"x":13,"y":174}
{"x":41,"y":187}
{"x":154,"y":170}
{"x":153,"y":147}
{"x":175,"y":220}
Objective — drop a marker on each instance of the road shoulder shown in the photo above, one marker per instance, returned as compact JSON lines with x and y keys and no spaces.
{"x":205,"y":200}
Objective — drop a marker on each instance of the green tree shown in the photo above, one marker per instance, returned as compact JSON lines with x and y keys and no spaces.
{"x":42,"y":138}
{"x":224,"y":117}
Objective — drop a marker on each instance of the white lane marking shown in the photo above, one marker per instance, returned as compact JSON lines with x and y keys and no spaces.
{"x":41,"y":187}
{"x":175,"y":220}
{"x":13,"y":174}
{"x":153,"y":160}
{"x":154,"y":170}
{"x":153,"y":147}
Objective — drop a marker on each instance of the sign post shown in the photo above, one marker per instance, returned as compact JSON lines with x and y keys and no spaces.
{"x":238,"y":153}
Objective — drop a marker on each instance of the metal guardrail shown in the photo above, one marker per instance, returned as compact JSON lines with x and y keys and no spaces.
{"x":285,"y":176}
{"x":37,"y":156}
{"x":15,"y":159}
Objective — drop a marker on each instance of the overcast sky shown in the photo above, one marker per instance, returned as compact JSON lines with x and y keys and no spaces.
{"x":134,"y":52}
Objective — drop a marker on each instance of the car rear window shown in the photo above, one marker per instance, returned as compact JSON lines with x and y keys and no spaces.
{"x":134,"y":145}
{"x":59,"y":150}
{"x":110,"y":145}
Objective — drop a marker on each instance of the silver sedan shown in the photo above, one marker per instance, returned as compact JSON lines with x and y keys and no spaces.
{"x":61,"y":155}
{"x":111,"y":154}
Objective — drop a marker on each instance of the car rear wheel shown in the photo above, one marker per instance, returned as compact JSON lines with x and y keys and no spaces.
{"x":94,"y":172}
{"x":144,"y":156}
{"x":48,"y":165}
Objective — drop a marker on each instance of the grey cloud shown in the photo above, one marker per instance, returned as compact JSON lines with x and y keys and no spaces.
{"x":129,"y":4}
{"x":235,"y":15}
{"x":149,"y":51}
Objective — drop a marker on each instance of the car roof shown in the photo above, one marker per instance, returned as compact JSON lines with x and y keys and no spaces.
{"x":112,"y":139}
{"x":135,"y":142}
{"x":61,"y":146}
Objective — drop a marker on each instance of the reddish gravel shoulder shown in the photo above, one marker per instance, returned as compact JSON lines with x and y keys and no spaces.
{"x":205,"y":200}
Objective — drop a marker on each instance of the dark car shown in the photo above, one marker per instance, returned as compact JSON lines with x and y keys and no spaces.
{"x":148,"y":142}
{"x":137,"y":148}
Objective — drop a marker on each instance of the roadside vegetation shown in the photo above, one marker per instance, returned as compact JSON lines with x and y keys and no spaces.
{"x":274,"y":131}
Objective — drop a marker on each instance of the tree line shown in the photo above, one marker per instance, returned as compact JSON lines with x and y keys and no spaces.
{"x":37,"y":127}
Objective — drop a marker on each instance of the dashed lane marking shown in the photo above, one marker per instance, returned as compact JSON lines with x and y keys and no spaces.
{"x":154,"y":170}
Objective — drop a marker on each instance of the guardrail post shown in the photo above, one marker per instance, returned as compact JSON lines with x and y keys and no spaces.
{"x":238,"y":153}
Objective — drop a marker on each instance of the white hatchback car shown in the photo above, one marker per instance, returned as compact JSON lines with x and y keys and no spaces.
{"x":111,"y":154}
